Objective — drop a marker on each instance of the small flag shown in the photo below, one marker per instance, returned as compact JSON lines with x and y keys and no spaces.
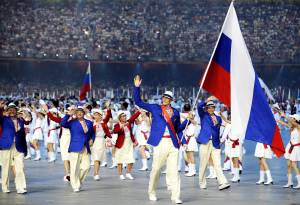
{"x":87,"y":84}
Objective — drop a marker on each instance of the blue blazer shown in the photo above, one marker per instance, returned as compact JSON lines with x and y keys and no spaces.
{"x":159,"y":123}
{"x":208,"y":129}
{"x":9,"y":134}
{"x":79,"y":139}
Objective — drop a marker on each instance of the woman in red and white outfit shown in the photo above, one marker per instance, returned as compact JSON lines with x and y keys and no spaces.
{"x":125,"y":143}
{"x":64,"y":141}
{"x":40,"y":129}
{"x":53,"y":135}
{"x":235,"y":150}
{"x":190,"y":133}
{"x":142,"y":134}
{"x":263,"y":152}
{"x":292,"y":150}
{"x":102,"y":138}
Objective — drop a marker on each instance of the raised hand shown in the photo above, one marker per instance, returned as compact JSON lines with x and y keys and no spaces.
{"x":71,"y":112}
{"x":107,"y":104}
{"x":137,"y":81}
{"x":2,"y":104}
{"x":211,"y":98}
{"x":45,"y":107}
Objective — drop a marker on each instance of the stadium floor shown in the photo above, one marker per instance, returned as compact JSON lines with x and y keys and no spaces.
{"x":45,"y":186}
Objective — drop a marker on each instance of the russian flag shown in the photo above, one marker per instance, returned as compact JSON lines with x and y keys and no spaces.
{"x":87,"y":83}
{"x":231,"y":78}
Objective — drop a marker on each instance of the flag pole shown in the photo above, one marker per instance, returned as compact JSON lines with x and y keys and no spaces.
{"x":210,"y":60}
{"x":208,"y":65}
{"x":90,"y":79}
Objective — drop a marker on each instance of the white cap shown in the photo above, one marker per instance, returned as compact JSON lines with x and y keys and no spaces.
{"x":210,"y":104}
{"x":41,"y":111}
{"x":296,"y":117}
{"x":12,"y":105}
{"x":54,"y":109}
{"x":168,"y":94}
{"x":42,"y":102}
{"x":276,"y":106}
{"x":97,"y":110}
{"x":120,"y":112}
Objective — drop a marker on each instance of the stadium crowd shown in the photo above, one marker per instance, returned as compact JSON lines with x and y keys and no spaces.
{"x":142,"y":30}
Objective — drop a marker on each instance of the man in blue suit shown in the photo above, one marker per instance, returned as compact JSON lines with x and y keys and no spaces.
{"x":209,"y":140}
{"x":13,"y":147}
{"x":82,"y":136}
{"x":165,"y":140}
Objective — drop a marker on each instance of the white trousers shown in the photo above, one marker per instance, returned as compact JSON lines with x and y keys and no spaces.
{"x":79,"y":167}
{"x":163,"y":153}
{"x":9,"y":157}
{"x":207,"y":150}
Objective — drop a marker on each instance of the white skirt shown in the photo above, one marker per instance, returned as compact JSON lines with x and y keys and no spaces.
{"x":52,"y":138}
{"x":141,"y":138}
{"x":192,"y":146}
{"x":294,"y":155}
{"x":64,"y":144}
{"x":98,"y":149}
{"x":227,"y":148}
{"x":125,"y":153}
{"x":261,"y":152}
{"x":235,"y":151}
{"x":28,"y":137}
{"x":37,"y":135}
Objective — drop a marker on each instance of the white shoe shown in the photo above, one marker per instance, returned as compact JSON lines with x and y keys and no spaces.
{"x":129,"y":176}
{"x":51,"y":160}
{"x":76,"y":190}
{"x":113,"y":166}
{"x":22,"y":191}
{"x":268,"y":182}
{"x":27,"y":157}
{"x":37,"y":159}
{"x":104,"y":164}
{"x":210,"y":176}
{"x":143,"y":169}
{"x":152,"y":197}
{"x":296,"y":187}
{"x":288,"y":185}
{"x":6,"y":191}
{"x":164,"y":171}
{"x":96,"y":177}
{"x":260,"y":182}
{"x":177,"y":201}
{"x":92,"y":163}
{"x":235,"y":180}
{"x":298,"y":181}
{"x":224,"y":186}
{"x":122,"y":177}
{"x":203,"y":186}
{"x":190,"y":174}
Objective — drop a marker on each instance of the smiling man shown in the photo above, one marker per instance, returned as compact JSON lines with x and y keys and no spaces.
{"x":164,"y":138}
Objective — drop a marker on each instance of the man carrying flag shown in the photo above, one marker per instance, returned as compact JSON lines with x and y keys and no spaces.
{"x":230,"y":77}
{"x":87,"y":84}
